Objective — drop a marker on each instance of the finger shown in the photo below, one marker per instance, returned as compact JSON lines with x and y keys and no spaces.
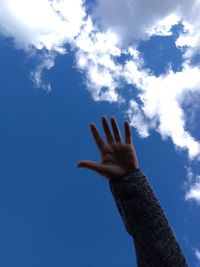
{"x":98,"y":140}
{"x":128,"y":135}
{"x":91,"y":165}
{"x":104,"y":170}
{"x":116,"y":130}
{"x":107,"y":130}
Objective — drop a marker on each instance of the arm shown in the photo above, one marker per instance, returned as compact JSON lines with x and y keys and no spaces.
{"x":141,"y":212}
{"x":146,"y":222}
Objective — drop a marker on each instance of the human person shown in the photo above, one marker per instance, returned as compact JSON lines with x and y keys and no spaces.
{"x":143,"y":216}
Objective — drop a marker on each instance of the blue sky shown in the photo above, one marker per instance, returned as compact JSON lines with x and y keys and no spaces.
{"x":53,"y":214}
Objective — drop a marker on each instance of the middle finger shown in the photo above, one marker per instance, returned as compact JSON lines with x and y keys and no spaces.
{"x":107,"y":130}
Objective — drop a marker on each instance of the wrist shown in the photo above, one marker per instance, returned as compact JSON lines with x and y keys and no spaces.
{"x":131,"y":172}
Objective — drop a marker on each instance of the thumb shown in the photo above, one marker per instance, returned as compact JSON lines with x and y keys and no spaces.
{"x":91,"y":165}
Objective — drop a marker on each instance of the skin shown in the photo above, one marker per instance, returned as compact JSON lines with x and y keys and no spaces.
{"x":118,"y":158}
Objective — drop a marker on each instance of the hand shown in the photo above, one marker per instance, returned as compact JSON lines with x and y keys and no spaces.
{"x":117,"y":158}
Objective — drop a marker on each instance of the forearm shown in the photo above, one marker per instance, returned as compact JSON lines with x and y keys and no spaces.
{"x":146,"y":222}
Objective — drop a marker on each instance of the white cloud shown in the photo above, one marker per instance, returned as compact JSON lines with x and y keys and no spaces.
{"x":190,"y":174}
{"x":194,"y":191}
{"x":137,"y":119}
{"x":136,"y":20}
{"x":47,"y":62}
{"x":164,"y":26}
{"x":95,"y":53}
{"x":191,"y":36}
{"x":192,"y":186}
{"x":41,"y":23}
{"x":161,"y":99}
{"x":197,"y":254}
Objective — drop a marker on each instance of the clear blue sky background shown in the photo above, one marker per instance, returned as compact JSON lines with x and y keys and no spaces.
{"x":53,"y":214}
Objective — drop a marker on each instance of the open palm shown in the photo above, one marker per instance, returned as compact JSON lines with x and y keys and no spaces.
{"x":117,"y":158}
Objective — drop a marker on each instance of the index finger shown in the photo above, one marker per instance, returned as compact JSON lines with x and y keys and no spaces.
{"x":98,"y":140}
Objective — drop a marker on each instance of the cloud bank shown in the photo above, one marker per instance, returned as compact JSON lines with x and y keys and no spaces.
{"x":101,"y":39}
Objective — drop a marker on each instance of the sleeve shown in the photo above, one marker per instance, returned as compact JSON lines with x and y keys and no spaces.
{"x":145,"y":221}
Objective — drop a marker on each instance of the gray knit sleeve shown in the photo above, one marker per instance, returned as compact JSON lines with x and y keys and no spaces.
{"x":145,"y":221}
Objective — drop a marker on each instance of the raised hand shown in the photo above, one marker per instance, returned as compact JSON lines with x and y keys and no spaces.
{"x":117,"y":158}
